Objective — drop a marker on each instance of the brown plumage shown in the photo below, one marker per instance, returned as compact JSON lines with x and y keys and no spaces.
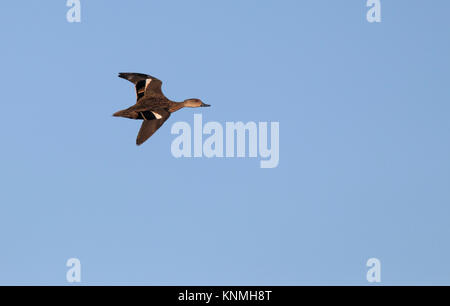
{"x":152,"y":106}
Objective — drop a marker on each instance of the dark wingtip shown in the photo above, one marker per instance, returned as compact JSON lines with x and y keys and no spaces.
{"x":123,"y":75}
{"x":139,"y":141}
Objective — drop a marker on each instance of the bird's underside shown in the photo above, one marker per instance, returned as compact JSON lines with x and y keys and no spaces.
{"x":151,"y":105}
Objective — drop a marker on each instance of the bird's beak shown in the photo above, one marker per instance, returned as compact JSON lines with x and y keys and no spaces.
{"x":205,"y":105}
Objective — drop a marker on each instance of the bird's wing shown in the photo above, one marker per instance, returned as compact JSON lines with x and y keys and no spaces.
{"x":149,"y":127}
{"x":146,"y":85}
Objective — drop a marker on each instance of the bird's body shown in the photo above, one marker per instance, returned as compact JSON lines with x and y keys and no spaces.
{"x":152,"y":105}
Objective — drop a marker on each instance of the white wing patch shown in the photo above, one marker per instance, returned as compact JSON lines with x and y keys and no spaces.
{"x":147,"y":82}
{"x":158,"y":116}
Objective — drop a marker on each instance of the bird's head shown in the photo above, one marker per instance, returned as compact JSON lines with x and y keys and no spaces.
{"x":195,"y":103}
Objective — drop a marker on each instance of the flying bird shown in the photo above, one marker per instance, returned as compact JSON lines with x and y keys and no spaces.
{"x":151,"y":106}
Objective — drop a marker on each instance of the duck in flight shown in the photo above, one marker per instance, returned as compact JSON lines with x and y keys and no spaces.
{"x":151,"y":106}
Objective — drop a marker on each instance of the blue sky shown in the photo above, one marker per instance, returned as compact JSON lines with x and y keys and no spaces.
{"x":364,"y":153}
